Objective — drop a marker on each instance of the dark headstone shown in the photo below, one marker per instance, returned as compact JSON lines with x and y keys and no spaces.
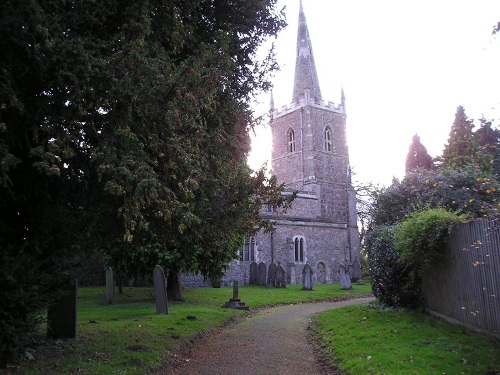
{"x":160,"y":290}
{"x":215,"y":283}
{"x":61,"y":316}
{"x":262,"y":274}
{"x":235,"y":302}
{"x":110,"y":286}
{"x":271,"y":274}
{"x":355,"y":270}
{"x":345,"y":277}
{"x":253,"y":273}
{"x":280,"y":277}
{"x":307,"y":280}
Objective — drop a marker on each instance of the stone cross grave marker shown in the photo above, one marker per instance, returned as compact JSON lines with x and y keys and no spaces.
{"x":307,"y":279}
{"x":262,"y":274}
{"x":253,"y":273}
{"x":110,"y":286}
{"x":271,"y":274}
{"x":235,"y":302}
{"x":280,"y":277}
{"x":160,"y":291}
{"x":345,"y":277}
{"x":61,"y":316}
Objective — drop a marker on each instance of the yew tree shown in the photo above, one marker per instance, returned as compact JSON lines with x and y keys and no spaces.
{"x":124,"y":128}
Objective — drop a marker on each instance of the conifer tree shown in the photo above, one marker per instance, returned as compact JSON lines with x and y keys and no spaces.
{"x":462,"y":147}
{"x":417,"y":156}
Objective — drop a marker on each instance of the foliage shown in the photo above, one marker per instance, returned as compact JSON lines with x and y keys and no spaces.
{"x":391,"y":279}
{"x":462,"y":146}
{"x":124,"y":128}
{"x":421,"y":239}
{"x":417,"y":157}
{"x":366,"y":339}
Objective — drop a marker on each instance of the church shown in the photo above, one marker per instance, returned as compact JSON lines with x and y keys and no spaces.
{"x":310,"y":156}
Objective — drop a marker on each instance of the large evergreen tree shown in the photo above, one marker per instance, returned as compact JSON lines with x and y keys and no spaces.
{"x":417,"y":156}
{"x":461,"y":149}
{"x":124,"y":126}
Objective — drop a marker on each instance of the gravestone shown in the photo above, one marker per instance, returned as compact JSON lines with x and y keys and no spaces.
{"x":355,"y":270}
{"x":253,"y":273}
{"x":280,"y":277}
{"x":235,"y":302}
{"x":271,"y":274}
{"x":345,"y":277}
{"x":61,"y":316}
{"x":110,"y":286}
{"x":307,"y":279}
{"x":160,"y":290}
{"x":262,"y":274}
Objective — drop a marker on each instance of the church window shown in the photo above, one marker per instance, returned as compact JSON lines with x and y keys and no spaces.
{"x":247,"y":253}
{"x":299,"y":249}
{"x":328,"y":139}
{"x":291,"y":140}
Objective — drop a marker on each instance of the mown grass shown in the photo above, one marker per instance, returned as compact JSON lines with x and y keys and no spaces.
{"x":371,"y":340}
{"x":129,"y":338}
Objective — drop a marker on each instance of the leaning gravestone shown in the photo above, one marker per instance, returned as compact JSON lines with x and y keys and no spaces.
{"x":253,"y":273}
{"x":307,"y":281}
{"x":61,"y":316}
{"x":345,"y":277}
{"x":160,"y":291}
{"x":271,"y":274}
{"x":262,"y":274}
{"x":280,"y":277}
{"x":110,"y":286}
{"x":355,"y":270}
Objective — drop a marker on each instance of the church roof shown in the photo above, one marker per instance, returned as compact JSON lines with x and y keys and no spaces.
{"x":306,"y":77}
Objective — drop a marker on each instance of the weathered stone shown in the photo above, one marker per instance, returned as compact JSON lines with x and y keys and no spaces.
{"x":307,"y":277}
{"x":345,"y":277}
{"x":235,"y":302}
{"x":160,"y":290}
{"x":280,"y":277}
{"x":253,"y":273}
{"x":262,"y":274}
{"x":110,"y":286}
{"x":355,"y":270}
{"x":61,"y":316}
{"x":271,"y":274}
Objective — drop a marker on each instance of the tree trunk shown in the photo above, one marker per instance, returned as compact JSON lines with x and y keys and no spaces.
{"x":173,"y":287}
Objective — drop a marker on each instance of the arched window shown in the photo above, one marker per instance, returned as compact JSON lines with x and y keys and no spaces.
{"x":299,"y":245}
{"x":291,"y":140}
{"x":328,"y":139}
{"x":247,"y":254}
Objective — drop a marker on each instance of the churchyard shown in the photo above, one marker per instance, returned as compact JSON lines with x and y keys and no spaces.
{"x":129,"y":337}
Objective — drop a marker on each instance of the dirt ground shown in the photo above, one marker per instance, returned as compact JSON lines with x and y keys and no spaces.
{"x":270,"y":341}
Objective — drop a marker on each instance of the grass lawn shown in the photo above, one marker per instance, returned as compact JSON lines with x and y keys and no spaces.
{"x":129,"y":338}
{"x":370,"y":340}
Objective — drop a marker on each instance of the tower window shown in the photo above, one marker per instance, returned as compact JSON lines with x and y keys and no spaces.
{"x":299,"y":249}
{"x":291,"y":140}
{"x":247,"y":254}
{"x":328,"y":139}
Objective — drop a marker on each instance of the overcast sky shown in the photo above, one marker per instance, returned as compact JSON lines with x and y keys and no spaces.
{"x":405,"y":67}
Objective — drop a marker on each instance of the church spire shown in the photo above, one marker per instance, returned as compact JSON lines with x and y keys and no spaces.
{"x":306,"y":78}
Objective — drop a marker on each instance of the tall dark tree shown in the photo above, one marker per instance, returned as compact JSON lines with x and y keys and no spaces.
{"x":418,"y":156}
{"x":461,"y":149}
{"x":124,"y":127}
{"x":488,"y":140}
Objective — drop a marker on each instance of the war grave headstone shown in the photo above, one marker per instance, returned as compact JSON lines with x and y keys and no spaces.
{"x":262,"y":274}
{"x":345,"y":277}
{"x":307,"y":277}
{"x":110,"y":286}
{"x":280,"y":277}
{"x":160,"y":287}
{"x":235,"y":302}
{"x":253,"y":273}
{"x":62,"y":315}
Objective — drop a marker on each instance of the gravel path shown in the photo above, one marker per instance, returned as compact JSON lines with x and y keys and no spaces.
{"x":271,"y":341}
